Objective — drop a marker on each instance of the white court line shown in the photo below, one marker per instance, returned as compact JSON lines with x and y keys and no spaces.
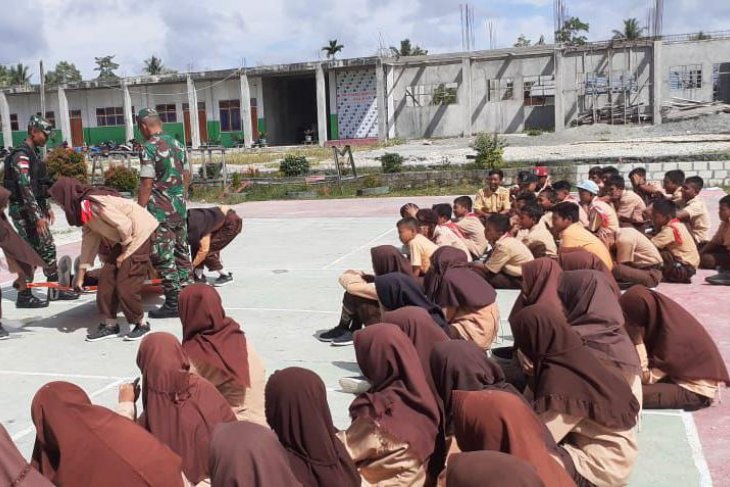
{"x":363,"y":246}
{"x":697,"y":456}
{"x":57,"y":374}
{"x":656,"y":412}
{"x":285,"y":310}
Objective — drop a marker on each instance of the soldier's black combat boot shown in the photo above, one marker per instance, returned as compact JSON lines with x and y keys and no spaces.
{"x":26,"y":299}
{"x":58,"y":295}
{"x":168,"y":309}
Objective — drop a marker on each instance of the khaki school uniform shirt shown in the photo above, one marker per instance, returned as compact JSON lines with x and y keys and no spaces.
{"x":582,"y":214}
{"x":473,"y":231}
{"x":489,"y":201}
{"x":478,"y":325}
{"x":353,"y":283}
{"x":722,"y":236}
{"x":683,"y":248}
{"x":445,"y":237}
{"x":508,"y":256}
{"x":631,"y":207}
{"x":602,"y":216}
{"x":633,"y":247}
{"x":539,"y":234}
{"x":699,"y":219}
{"x":420,"y":250}
{"x":577,"y":236}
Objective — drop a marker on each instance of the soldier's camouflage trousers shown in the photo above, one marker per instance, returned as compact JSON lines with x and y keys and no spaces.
{"x":170,"y":255}
{"x":42,"y":244}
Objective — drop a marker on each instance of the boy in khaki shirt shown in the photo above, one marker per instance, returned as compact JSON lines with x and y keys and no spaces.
{"x":471,"y":226}
{"x":574,"y":235}
{"x":419,"y":248}
{"x":695,"y":214}
{"x":629,"y":206}
{"x":716,"y":254}
{"x":493,"y":198}
{"x":535,"y":234}
{"x":638,"y":261}
{"x":503,"y":268}
{"x":675,"y":243}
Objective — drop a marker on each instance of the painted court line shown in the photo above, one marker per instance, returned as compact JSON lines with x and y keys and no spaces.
{"x":358,"y":249}
{"x":697,"y":456}
{"x":58,"y":374}
{"x":285,"y":310}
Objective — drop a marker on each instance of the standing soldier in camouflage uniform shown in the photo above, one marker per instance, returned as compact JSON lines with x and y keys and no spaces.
{"x":164,"y":178}
{"x":27,"y":180}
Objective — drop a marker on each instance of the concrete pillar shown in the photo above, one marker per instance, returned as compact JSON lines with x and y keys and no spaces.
{"x":321,"y":105}
{"x":246,"y":124}
{"x":333,"y":119}
{"x":657,"y":84}
{"x":128,"y":115}
{"x":380,"y":88}
{"x":5,"y":117}
{"x":466,"y":98}
{"x":193,"y":114}
{"x":559,"y":106}
{"x":63,"y":118}
{"x":390,"y":103}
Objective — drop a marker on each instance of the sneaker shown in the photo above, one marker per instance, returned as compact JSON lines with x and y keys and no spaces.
{"x":4,"y":335}
{"x":27,"y":300}
{"x":343,"y":340}
{"x":67,"y":295}
{"x":330,"y":335}
{"x":64,"y":271}
{"x":202,"y":278}
{"x":354,"y":385}
{"x":721,"y":279}
{"x":102,"y":333}
{"x":223,"y":279}
{"x":138,"y":332}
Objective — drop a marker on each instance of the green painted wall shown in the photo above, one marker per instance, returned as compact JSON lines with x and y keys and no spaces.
{"x":225,"y":138}
{"x":262,"y":125}
{"x":97,"y":135}
{"x":334,"y":127}
{"x":19,"y":137}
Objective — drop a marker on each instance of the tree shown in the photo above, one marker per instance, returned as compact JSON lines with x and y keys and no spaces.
{"x":153,"y":65}
{"x":406,"y":49}
{"x":106,"y":66}
{"x":569,"y":33}
{"x":4,"y":76}
{"x":65,"y":72}
{"x":333,"y":48}
{"x":700,"y":36}
{"x":522,"y":41}
{"x":631,"y":30}
{"x":18,"y":75}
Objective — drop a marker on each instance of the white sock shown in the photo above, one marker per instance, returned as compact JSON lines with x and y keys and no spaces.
{"x":199,"y":272}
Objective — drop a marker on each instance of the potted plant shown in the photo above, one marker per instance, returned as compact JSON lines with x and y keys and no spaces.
{"x":262,"y":139}
{"x":308,"y":135}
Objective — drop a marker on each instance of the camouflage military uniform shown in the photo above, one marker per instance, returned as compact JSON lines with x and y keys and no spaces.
{"x":164,"y":160}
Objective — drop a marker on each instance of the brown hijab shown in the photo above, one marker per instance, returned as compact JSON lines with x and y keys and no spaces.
{"x":69,"y":193}
{"x":12,"y":245}
{"x":81,"y":445}
{"x":400,"y":402}
{"x":180,"y":409}
{"x":499,"y":421}
{"x":387,"y":259}
{"x":595,"y":314}
{"x":578,"y":259}
{"x":244,"y":454}
{"x":449,"y":282}
{"x":675,"y":341}
{"x":14,"y":470}
{"x":209,"y":336}
{"x":540,"y":279}
{"x":297,"y":411}
{"x":202,"y":222}
{"x":567,"y":377}
{"x":490,"y":469}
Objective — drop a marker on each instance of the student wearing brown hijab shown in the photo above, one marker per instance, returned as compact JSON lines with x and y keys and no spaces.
{"x":469,"y":302}
{"x":81,"y":445}
{"x":595,"y":314}
{"x":244,"y":454}
{"x":180,"y":408}
{"x":220,"y":352}
{"x":577,"y":259}
{"x":490,"y":469}
{"x":589,"y":409}
{"x":210,"y":230}
{"x":539,"y":284}
{"x":394,"y":426}
{"x":502,"y":422}
{"x":681,"y":365}
{"x":297,"y":411}
{"x":360,"y":305}
{"x":14,"y":470}
{"x":126,"y":227}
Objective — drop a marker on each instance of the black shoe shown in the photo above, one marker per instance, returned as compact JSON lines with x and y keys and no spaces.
{"x":138,"y":332}
{"x":343,"y":340}
{"x":223,"y":279}
{"x":102,"y":333}
{"x":720,"y":279}
{"x":4,"y":335}
{"x":67,"y":295}
{"x":330,"y":335}
{"x":64,"y":271}
{"x":26,"y":300}
{"x":202,"y":278}
{"x":168,"y":309}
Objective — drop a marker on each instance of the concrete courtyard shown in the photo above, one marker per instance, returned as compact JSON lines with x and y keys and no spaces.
{"x":285,"y":265}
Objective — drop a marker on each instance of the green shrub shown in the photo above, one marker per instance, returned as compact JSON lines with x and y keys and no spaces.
{"x":294,"y":165}
{"x":236,"y":179}
{"x":122,"y":178}
{"x":212,"y":170}
{"x":391,"y":162}
{"x":490,"y":151}
{"x":533,"y":132}
{"x":63,"y":162}
{"x":371,"y":181}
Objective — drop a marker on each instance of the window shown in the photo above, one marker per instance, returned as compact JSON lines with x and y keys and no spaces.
{"x":425,"y":95}
{"x":686,"y":77}
{"x":74,"y":113}
{"x":721,"y":82}
{"x":230,"y":113}
{"x":14,"y":122}
{"x":186,"y":106}
{"x":50,"y":116}
{"x":500,"y":89}
{"x":538,"y":91}
{"x":109,"y":116}
{"x":167,"y":112}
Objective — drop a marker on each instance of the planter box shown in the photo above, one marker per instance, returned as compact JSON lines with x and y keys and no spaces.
{"x":373,"y":191}
{"x":301,"y":195}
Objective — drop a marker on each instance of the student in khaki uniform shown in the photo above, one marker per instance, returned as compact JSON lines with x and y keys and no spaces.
{"x":602,"y":218}
{"x":629,"y":206}
{"x":503,"y":268}
{"x":638,"y":261}
{"x":562,"y":193}
{"x":694,"y":213}
{"x":471,"y":226}
{"x":441,"y":235}
{"x":535,"y":234}
{"x":672,"y":184}
{"x":572,"y":234}
{"x":675,"y":243}
{"x":493,"y":198}
{"x":716,"y":254}
{"x":418,"y":247}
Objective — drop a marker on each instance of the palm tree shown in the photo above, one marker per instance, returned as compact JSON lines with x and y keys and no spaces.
{"x":700,"y":36}
{"x":631,"y":30}
{"x":333,"y":48}
{"x":106,"y":66}
{"x":18,"y":75}
{"x":154,"y":65}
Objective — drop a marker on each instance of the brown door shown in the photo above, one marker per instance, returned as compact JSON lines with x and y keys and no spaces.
{"x":255,"y":123}
{"x":77,"y":128}
{"x":186,"y":124}
{"x":202,"y":126}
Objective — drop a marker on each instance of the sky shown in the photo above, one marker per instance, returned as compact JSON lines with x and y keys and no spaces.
{"x":220,"y":34}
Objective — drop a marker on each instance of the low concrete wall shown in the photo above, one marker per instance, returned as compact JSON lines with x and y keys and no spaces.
{"x":715,"y":173}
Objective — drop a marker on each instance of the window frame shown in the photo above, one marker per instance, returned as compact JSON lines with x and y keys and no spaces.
{"x":167,"y":112}
{"x":229,"y":115}
{"x":109,"y":116}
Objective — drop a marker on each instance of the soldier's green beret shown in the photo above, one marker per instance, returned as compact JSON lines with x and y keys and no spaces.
{"x":146,"y":113}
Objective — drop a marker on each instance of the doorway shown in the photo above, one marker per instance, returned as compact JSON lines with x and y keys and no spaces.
{"x":202,"y":123}
{"x":291,"y":108}
{"x":77,"y":128}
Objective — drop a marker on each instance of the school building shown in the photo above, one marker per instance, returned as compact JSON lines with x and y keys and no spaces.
{"x":443,"y":95}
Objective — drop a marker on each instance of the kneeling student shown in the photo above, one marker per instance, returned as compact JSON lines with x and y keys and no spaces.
{"x":210,"y":230}
{"x":125,"y":226}
{"x":675,"y":243}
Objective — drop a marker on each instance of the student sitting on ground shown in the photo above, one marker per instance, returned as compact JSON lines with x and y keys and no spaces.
{"x":602,"y":218}
{"x":638,"y":261}
{"x":490,"y":469}
{"x":716,"y":254}
{"x":471,"y":226}
{"x":535,"y":234}
{"x":418,"y":247}
{"x":562,"y":193}
{"x":648,"y":192}
{"x":672,"y":185}
{"x":503,"y":268}
{"x":546,"y":199}
{"x":572,"y":234}
{"x":629,"y":206}
{"x":409,"y":210}
{"x":607,"y":172}
{"x":396,"y":291}
{"x":210,"y":230}
{"x":540,"y":279}
{"x":543,"y":178}
{"x":577,"y":259}
{"x":440,"y":234}
{"x":694,"y":211}
{"x":493,"y":198}
{"x":675,"y":243}
{"x":595,"y":174}
{"x":14,"y":470}
{"x":681,"y":365}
